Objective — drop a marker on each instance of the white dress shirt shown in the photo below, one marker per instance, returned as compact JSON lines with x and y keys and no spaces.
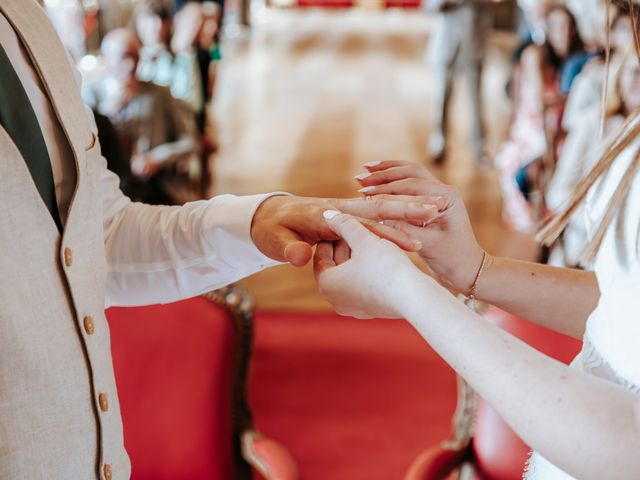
{"x":155,"y":254}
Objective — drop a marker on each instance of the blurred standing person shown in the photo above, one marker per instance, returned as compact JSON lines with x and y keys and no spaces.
{"x":197,"y":51}
{"x":158,"y":133}
{"x":153,"y":26}
{"x":459,"y":42}
{"x":208,"y":45}
{"x":209,"y":56}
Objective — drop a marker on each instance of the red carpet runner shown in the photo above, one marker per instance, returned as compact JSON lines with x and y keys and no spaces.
{"x":351,"y":399}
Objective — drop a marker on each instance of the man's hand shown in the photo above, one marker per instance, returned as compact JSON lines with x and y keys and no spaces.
{"x":285,"y":228}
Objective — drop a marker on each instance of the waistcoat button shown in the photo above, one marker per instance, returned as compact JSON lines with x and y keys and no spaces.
{"x":68,"y":257}
{"x":107,"y":471}
{"x":104,"y":403}
{"x":88,"y":325}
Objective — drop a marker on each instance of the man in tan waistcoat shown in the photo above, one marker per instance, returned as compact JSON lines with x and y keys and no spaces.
{"x":72,"y":243}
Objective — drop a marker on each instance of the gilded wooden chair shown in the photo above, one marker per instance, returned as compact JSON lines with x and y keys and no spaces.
{"x":182,"y":372}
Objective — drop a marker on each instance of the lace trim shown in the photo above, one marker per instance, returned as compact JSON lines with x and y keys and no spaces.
{"x":528,"y":468}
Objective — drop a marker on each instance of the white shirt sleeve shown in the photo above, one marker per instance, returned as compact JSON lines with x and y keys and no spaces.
{"x":160,"y":254}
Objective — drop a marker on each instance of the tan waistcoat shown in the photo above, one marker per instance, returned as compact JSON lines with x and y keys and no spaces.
{"x":59,"y":413}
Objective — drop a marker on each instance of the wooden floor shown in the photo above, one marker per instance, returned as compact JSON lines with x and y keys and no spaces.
{"x":309,"y":96}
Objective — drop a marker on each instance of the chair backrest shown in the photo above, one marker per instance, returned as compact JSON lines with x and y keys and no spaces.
{"x":499,"y":452}
{"x":174,"y":368}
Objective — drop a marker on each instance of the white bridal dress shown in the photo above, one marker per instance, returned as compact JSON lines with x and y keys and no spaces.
{"x":610,"y":348}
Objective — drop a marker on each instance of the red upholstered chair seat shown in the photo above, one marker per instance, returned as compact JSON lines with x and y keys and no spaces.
{"x":173,"y":370}
{"x":181,"y":371}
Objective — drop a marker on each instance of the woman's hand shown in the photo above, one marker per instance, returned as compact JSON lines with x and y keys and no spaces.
{"x":363,"y":275}
{"x":449,"y":246}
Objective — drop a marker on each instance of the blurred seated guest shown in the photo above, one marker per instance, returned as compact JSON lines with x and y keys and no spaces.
{"x":153,"y":26}
{"x":458,"y":43}
{"x":587,"y":87}
{"x":111,"y":150}
{"x":157,"y":132}
{"x":68,"y":18}
{"x":533,"y":13}
{"x":586,"y":13}
{"x":186,"y":82}
{"x":579,"y":156}
{"x":133,"y":187}
{"x":538,"y":108}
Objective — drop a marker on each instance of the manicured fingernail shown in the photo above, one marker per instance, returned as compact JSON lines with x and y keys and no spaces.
{"x":362,"y":176}
{"x":366,"y":189}
{"x":417,"y":244}
{"x":371,"y":164}
{"x":427,"y":206}
{"x":329,"y":214}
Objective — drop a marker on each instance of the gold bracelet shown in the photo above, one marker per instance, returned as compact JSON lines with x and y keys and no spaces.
{"x":472,"y":291}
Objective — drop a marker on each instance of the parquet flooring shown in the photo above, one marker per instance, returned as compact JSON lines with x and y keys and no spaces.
{"x":307,"y":97}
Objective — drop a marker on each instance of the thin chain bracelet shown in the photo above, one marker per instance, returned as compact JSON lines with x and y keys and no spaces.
{"x":470,"y":298}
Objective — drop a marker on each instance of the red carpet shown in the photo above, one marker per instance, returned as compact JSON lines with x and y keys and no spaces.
{"x":351,"y":399}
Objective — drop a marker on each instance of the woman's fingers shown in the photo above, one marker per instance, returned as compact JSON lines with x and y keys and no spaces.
{"x":438,"y":201}
{"x":409,"y":229}
{"x":387,"y":164}
{"x":357,"y":232}
{"x":412,"y":187}
{"x":349,"y":229}
{"x":323,"y":258}
{"x":392,"y":174}
{"x":400,"y":238}
{"x":377,"y":209}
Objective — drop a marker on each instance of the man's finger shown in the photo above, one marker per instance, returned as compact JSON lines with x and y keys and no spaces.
{"x":376,"y":209}
{"x":323,"y":258}
{"x":341,"y":252}
{"x":286,"y":245}
{"x":349,"y":229}
{"x":298,"y":253}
